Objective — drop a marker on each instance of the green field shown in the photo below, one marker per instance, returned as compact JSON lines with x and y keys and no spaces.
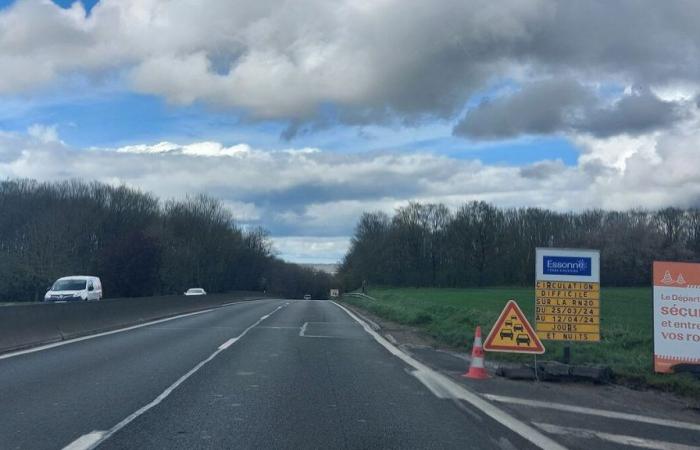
{"x":451,"y":315}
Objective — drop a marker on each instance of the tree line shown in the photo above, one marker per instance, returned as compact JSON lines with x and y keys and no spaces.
{"x":137,"y":244}
{"x":482,"y":245}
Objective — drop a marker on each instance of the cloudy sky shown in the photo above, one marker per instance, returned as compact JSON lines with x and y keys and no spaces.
{"x":301,"y":114}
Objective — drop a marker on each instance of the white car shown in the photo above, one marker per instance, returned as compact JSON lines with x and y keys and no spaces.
{"x":195,"y":291}
{"x":307,"y":297}
{"x":75,"y":288}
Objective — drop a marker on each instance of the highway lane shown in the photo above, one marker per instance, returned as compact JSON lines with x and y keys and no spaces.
{"x":51,"y":397}
{"x":303,"y":376}
{"x":330,"y":386}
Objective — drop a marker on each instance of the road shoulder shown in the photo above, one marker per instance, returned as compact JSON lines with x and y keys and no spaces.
{"x":643,"y":414}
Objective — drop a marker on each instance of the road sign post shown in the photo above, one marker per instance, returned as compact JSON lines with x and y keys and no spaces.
{"x":567,"y":294}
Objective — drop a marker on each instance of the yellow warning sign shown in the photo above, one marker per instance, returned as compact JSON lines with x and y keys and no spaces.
{"x":567,"y":294}
{"x":559,"y":336}
{"x":568,"y":315}
{"x":568,"y":327}
{"x":513,"y":333}
{"x":548,"y":301}
{"x":568,"y":285}
{"x":567,"y":310}
{"x":555,"y":318}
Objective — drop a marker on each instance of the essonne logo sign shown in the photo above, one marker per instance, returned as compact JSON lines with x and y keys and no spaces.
{"x":566,"y":265}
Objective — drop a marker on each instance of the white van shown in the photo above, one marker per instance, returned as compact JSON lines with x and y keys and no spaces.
{"x":77,"y":287}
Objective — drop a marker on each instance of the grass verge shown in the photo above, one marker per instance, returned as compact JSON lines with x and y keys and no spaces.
{"x":451,"y":315}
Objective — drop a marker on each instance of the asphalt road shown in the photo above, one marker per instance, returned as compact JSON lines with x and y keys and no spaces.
{"x":284,"y":374}
{"x":302,"y":374}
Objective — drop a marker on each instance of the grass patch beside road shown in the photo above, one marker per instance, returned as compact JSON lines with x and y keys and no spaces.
{"x":451,"y":315}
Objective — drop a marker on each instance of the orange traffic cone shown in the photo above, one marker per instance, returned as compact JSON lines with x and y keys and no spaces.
{"x":476,"y":368}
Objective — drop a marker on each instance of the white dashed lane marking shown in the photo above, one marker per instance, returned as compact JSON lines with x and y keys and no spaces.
{"x":94,"y":438}
{"x":594,"y":412}
{"x":620,"y":439}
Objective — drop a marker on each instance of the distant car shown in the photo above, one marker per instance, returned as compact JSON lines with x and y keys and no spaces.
{"x":75,"y":288}
{"x":505,"y":333}
{"x":307,"y":297}
{"x":195,"y":291}
{"x":522,"y":339}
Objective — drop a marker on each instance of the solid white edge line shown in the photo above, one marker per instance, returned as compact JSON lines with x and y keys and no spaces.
{"x":227,"y":344}
{"x":594,"y":412}
{"x":119,"y":330}
{"x":434,"y":386}
{"x":85,"y":441}
{"x":621,"y":439}
{"x":104,"y":435}
{"x":458,"y":391}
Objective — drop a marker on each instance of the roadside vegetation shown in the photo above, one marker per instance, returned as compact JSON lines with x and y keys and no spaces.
{"x":136,"y":243}
{"x":450,"y":316}
{"x":428,"y":245}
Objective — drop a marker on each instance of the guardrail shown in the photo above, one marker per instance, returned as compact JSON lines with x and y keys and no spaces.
{"x":34,"y":324}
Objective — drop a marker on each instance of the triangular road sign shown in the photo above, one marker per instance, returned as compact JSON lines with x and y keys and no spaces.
{"x":513,"y":333}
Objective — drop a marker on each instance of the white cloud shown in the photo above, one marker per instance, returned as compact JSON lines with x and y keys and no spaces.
{"x":242,"y":211}
{"x":615,"y":151}
{"x":195,"y":149}
{"x":371,"y":60}
{"x":312,"y":249}
{"x":44,"y":133}
{"x":313,"y":198}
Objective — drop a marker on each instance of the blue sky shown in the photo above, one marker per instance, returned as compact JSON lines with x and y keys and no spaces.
{"x":299,"y":116}
{"x":88,"y":4}
{"x":108,"y":114}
